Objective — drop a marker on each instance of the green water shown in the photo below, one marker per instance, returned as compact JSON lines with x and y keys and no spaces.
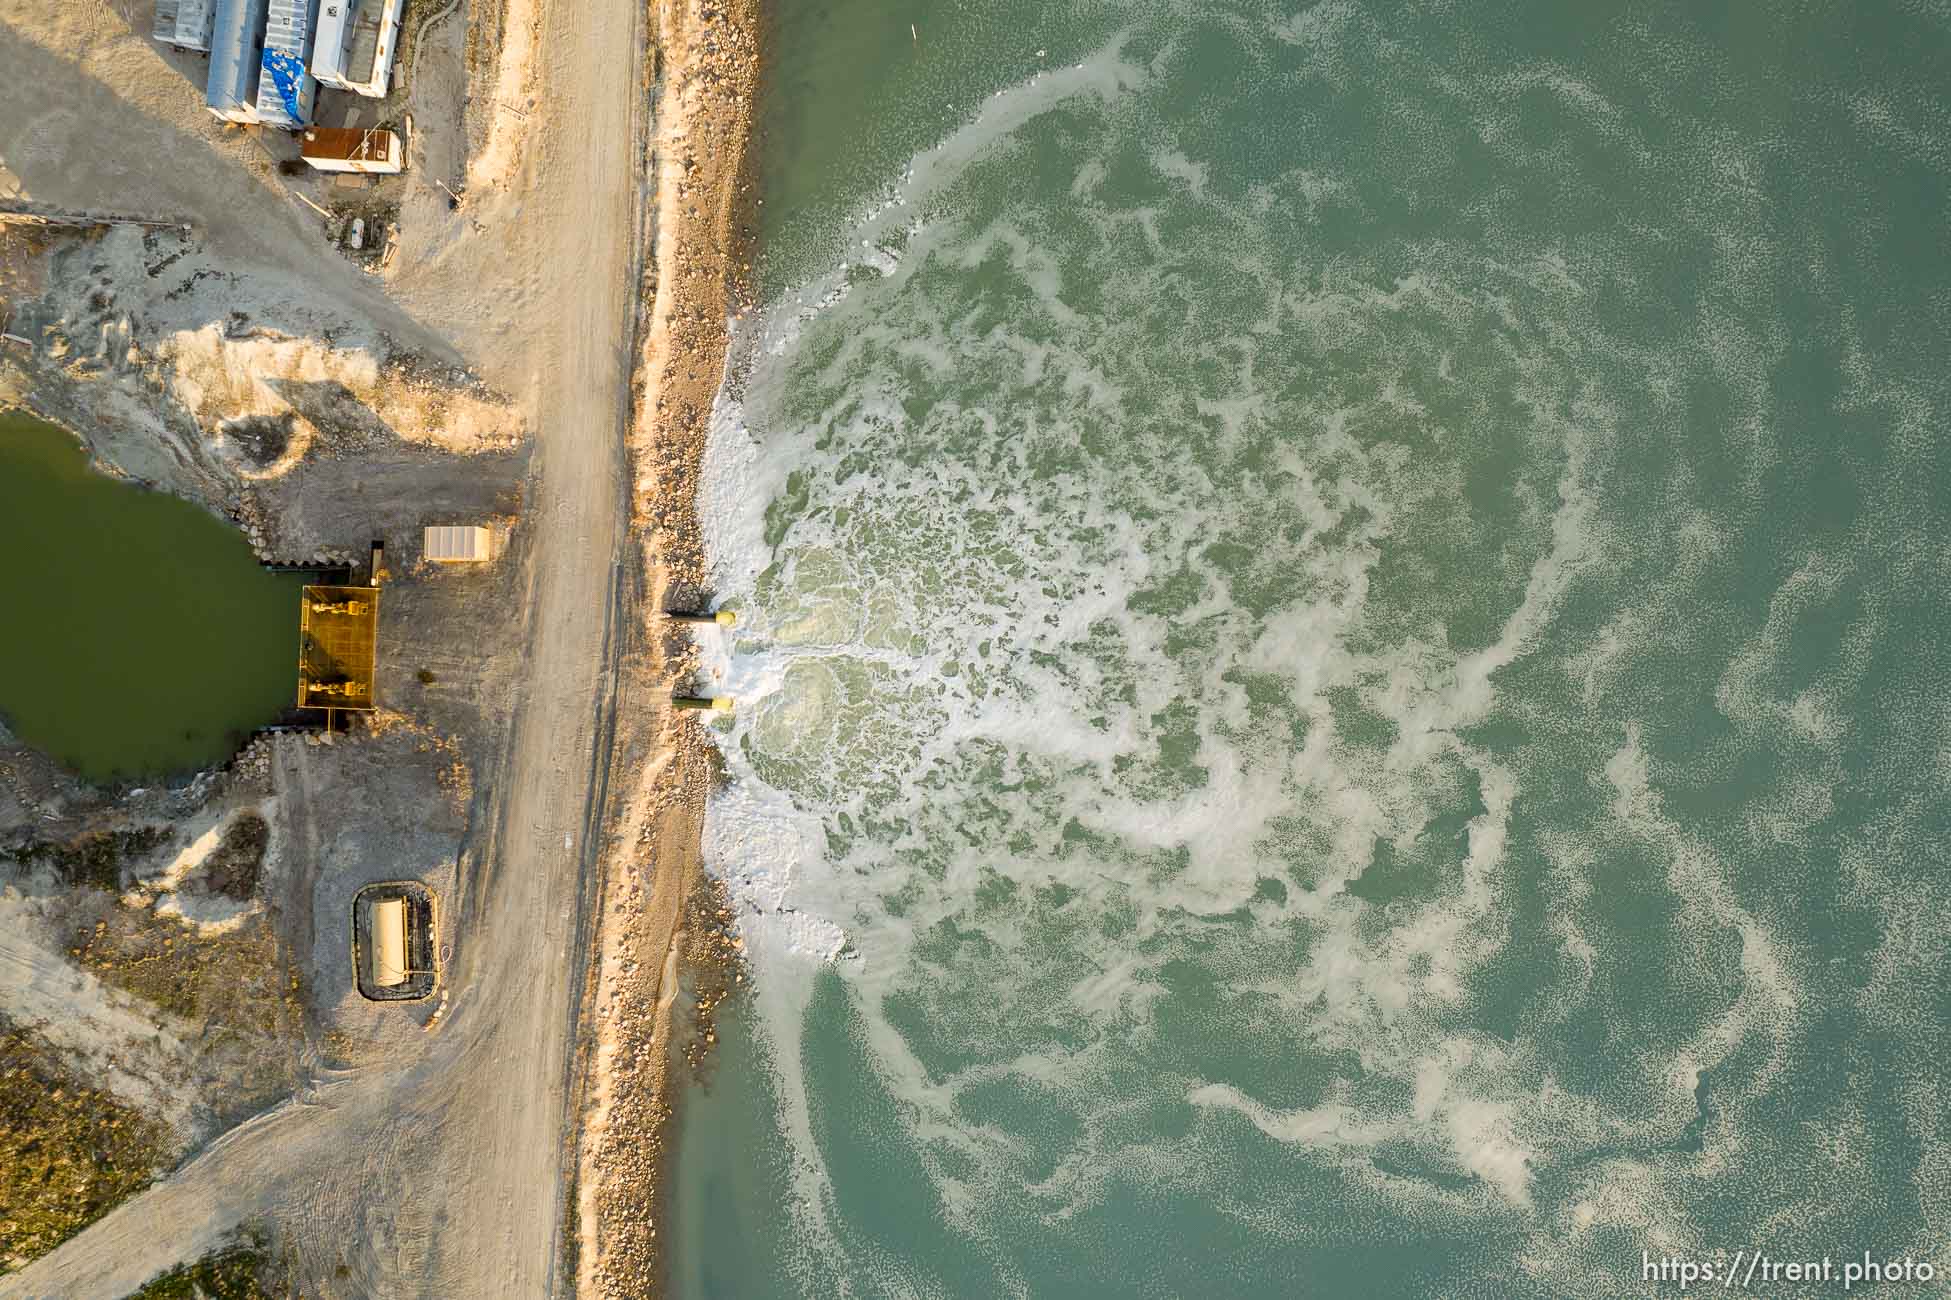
{"x":1343,"y":652}
{"x":143,"y":638}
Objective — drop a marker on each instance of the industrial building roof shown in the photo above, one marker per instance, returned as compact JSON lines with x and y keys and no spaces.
{"x":236,"y":52}
{"x":290,"y":28}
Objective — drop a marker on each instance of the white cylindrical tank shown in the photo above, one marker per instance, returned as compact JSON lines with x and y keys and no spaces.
{"x":389,"y":943}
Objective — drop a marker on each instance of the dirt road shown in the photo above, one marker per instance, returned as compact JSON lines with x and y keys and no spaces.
{"x":440,"y":1171}
{"x":709,"y":53}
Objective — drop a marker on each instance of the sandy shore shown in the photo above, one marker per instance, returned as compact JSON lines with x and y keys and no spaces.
{"x":657,"y":916}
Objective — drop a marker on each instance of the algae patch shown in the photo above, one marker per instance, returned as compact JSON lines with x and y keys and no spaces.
{"x":69,"y":1153}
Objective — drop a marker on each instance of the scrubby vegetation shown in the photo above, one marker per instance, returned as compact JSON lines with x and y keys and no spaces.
{"x":232,"y":867}
{"x":238,"y":992}
{"x":68,"y":1152}
{"x":240,"y":980}
{"x":94,"y":859}
{"x":245,"y":1271}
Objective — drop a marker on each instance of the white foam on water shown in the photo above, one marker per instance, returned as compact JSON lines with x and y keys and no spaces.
{"x":1003,"y":588}
{"x":758,"y":843}
{"x":888,"y":225}
{"x":755,"y":838}
{"x":782,"y":872}
{"x":735,"y":485}
{"x":1743,"y":693}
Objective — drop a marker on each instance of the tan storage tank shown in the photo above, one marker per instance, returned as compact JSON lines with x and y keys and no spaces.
{"x":389,"y":943}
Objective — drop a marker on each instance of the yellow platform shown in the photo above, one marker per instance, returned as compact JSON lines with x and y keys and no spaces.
{"x":338,"y":645}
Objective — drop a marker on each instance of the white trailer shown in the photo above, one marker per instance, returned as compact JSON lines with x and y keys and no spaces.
{"x":356,"y":43}
{"x":185,"y":24}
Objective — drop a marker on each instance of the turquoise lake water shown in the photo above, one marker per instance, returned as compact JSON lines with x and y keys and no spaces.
{"x":1344,"y":652}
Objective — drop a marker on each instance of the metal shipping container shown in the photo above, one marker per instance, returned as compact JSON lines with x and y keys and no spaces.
{"x":194,"y":20}
{"x":236,"y":59}
{"x":165,"y":26}
{"x":287,"y":92}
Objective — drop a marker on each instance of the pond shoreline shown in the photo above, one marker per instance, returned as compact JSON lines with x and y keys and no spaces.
{"x":151,"y":642}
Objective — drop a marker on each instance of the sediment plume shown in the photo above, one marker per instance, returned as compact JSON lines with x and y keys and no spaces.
{"x":658,"y":917}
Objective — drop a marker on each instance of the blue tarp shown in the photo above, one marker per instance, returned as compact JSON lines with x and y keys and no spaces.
{"x":288,"y":75}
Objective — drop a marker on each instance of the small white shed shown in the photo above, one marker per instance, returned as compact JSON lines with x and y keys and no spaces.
{"x":458,"y":544}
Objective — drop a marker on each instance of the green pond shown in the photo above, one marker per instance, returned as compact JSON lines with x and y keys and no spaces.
{"x":143,"y":636}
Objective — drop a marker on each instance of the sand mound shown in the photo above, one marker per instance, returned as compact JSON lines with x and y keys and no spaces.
{"x":334,"y":400}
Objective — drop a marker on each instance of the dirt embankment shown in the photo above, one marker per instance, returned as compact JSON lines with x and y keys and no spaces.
{"x":659,"y":925}
{"x":221,"y":385}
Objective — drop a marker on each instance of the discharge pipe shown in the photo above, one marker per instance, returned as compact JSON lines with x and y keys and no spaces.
{"x":723,"y":618}
{"x":704,"y":704}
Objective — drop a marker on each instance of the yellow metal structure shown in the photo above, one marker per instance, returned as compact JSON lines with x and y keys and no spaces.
{"x":338,"y":645}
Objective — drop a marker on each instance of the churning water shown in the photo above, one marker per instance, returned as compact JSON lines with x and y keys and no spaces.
{"x":1342,"y":656}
